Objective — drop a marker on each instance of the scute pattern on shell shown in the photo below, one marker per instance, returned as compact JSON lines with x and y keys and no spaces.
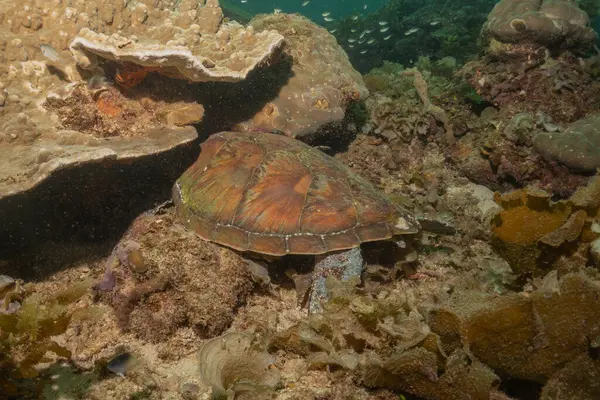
{"x":275,"y":195}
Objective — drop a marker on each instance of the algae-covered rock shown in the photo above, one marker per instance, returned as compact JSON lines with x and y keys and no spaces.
{"x":577,"y":147}
{"x":522,"y":336}
{"x":579,"y":380}
{"x":168,"y":278}
{"x":416,"y":371}
{"x":534,"y":233}
{"x":527,"y":216}
{"x":27,"y":334}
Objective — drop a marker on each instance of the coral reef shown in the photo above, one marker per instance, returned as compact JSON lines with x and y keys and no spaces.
{"x":27,"y":332}
{"x":527,"y":337}
{"x":320,"y":85}
{"x":577,"y":147}
{"x":532,"y":232}
{"x":206,"y":51}
{"x":167,"y":278}
{"x":401,"y":106}
{"x":33,"y":137}
{"x":525,"y":98}
{"x":555,"y":23}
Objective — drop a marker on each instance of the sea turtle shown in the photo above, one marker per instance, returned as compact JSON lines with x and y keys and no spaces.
{"x":271,"y":194}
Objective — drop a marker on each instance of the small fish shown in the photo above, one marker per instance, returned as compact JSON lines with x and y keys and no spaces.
{"x":326,"y":14}
{"x":121,"y":364}
{"x":434,"y":23}
{"x":362,"y":35}
{"x":361,"y":41}
{"x":351,"y":45}
{"x":384,"y":29}
{"x":369,"y":31}
{"x":354,"y":17}
{"x":328,"y":19}
{"x":353,"y":30}
{"x":333,"y":31}
{"x":382,"y":23}
{"x":363,"y":51}
{"x":364,"y":6}
{"x":277,"y":11}
{"x":411,"y":31}
{"x":243,"y":1}
{"x":387,"y":37}
{"x":49,"y":52}
{"x":371,"y":41}
{"x":351,"y":40}
{"x":98,"y":82}
{"x":305,"y":3}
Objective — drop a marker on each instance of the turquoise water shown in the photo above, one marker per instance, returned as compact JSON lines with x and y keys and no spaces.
{"x":314,"y":9}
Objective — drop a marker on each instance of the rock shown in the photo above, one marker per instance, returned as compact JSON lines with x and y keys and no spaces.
{"x":319,"y":87}
{"x":595,"y":251}
{"x":188,"y":282}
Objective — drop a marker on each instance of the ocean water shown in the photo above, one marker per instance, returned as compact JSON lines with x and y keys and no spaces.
{"x":400,"y":31}
{"x":314,"y":9}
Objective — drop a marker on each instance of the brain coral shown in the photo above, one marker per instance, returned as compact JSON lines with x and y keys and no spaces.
{"x":578,"y":147}
{"x":322,"y":81}
{"x":547,"y":22}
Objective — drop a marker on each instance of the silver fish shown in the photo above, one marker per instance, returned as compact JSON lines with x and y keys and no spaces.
{"x":49,"y":52}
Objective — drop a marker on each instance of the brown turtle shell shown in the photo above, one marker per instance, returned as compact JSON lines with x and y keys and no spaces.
{"x":274,"y":195}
